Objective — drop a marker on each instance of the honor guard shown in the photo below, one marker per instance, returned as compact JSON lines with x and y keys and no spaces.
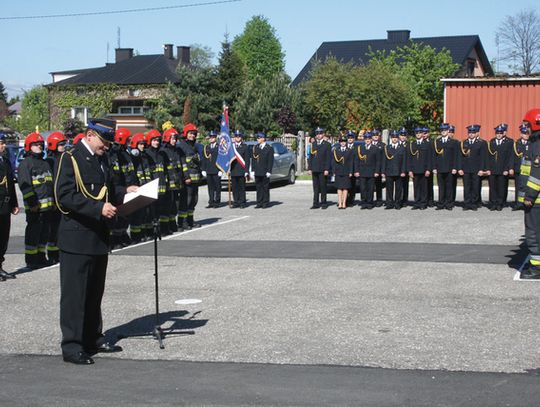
{"x":56,"y":145}
{"x":8,"y":203}
{"x":376,"y":142}
{"x":499,"y":166}
{"x":36,"y":184}
{"x":174,"y":175}
{"x":404,"y":142}
{"x":140,"y":227}
{"x":85,"y":195}
{"x":531,"y":200}
{"x":445,"y":166}
{"x":419,"y":162}
{"x":342,"y":167}
{"x":367,"y":167}
{"x":522,"y":161}
{"x":319,"y":168}
{"x":262,"y":161}
{"x":239,"y":171}
{"x":191,"y":167}
{"x":473,"y":158}
{"x":351,"y":144}
{"x":211,"y":171}
{"x":160,"y":210}
{"x":394,"y":169}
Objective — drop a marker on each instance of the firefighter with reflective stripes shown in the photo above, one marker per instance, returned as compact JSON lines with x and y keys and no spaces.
{"x":190,"y":158}
{"x":56,"y":145}
{"x":172,"y":163}
{"x":160,"y":209}
{"x":522,"y":162}
{"x":36,"y":184}
{"x":532,"y":200}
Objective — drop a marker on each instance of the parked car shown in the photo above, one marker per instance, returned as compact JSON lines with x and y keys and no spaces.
{"x":284,"y":168}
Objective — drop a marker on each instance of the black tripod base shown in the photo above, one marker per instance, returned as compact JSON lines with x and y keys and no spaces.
{"x":157,"y":333}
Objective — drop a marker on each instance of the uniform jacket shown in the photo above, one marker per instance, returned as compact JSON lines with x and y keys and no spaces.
{"x":236,"y":169}
{"x":82,"y":229}
{"x":262,"y":160}
{"x":141,"y":164}
{"x":210,"y":155}
{"x":473,"y":155}
{"x":533,"y":180}
{"x":173,"y":166}
{"x":445,"y":155}
{"x":155,"y":159}
{"x":342,"y":161}
{"x":36,"y":183}
{"x":367,"y":160}
{"x":8,"y":196}
{"x":521,"y":150}
{"x":394,"y":163}
{"x":191,"y":161}
{"x":121,"y":164}
{"x":500,"y":157}
{"x":320,"y":158}
{"x":419,"y":157}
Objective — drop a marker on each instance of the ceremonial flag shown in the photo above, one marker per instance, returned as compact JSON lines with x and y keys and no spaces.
{"x":226,"y":150}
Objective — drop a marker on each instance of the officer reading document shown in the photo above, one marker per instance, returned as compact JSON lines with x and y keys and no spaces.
{"x":87,"y":198}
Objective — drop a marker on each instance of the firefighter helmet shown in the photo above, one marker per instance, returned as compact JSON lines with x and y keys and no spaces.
{"x":121,"y":135}
{"x":189,"y":127}
{"x":533,"y":118}
{"x":136,"y":139}
{"x":78,"y":138}
{"x":31,"y":139}
{"x":152,"y":134}
{"x":54,"y":139}
{"x":168,"y":133}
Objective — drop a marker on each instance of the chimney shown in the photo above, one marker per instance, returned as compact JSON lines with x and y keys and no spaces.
{"x":400,"y":36}
{"x":168,"y":51}
{"x":183,"y":54}
{"x":123,"y":54}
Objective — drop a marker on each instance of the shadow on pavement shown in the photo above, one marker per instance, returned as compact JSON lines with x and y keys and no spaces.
{"x":518,"y":255}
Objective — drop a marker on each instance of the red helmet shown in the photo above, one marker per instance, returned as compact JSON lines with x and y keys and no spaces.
{"x":121,"y":135}
{"x":136,"y":139}
{"x":533,"y":118}
{"x":78,"y":138}
{"x":189,"y":127}
{"x":168,"y":133}
{"x":54,"y":138}
{"x":152,"y":134}
{"x":32,"y":138}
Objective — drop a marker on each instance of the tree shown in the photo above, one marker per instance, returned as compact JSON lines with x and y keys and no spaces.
{"x":259,"y":49}
{"x":201,"y":56}
{"x":34,"y":111}
{"x":519,"y":39}
{"x":72,"y":127}
{"x":3,"y":93}
{"x":230,"y":74}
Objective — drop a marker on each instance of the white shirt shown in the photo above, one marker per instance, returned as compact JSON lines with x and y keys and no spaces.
{"x":87,"y":146}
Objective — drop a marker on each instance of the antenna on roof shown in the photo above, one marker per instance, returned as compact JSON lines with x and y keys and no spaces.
{"x":107,"y":51}
{"x":118,"y":37}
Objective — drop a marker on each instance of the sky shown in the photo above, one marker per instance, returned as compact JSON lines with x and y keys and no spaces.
{"x":32,"y":48}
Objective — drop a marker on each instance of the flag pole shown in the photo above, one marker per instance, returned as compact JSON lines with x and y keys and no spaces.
{"x":229,"y":183}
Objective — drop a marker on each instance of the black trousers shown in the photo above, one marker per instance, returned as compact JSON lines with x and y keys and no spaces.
{"x":5,"y":225}
{"x":429,"y":188}
{"x":472,"y":185}
{"x":262,"y":184}
{"x":378,"y":188}
{"x":319,"y":187}
{"x":405,"y":184}
{"x":367,"y":186}
{"x":532,"y":236}
{"x":214,"y":189}
{"x":352,"y":191}
{"x":188,"y":198}
{"x":420,"y":185}
{"x":445,"y":183}
{"x":394,"y":190}
{"x":498,"y":187}
{"x":238,"y":186}
{"x":35,"y":236}
{"x":82,"y":282}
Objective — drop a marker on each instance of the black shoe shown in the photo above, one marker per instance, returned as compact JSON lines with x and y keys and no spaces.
{"x":258,"y":206}
{"x":440,"y":207}
{"x":106,"y":348}
{"x":209,"y":206}
{"x":2,"y":278}
{"x":264,"y":206}
{"x":79,"y":358}
{"x":414,"y":208}
{"x":242,"y":206}
{"x":5,"y":275}
{"x":324,"y":206}
{"x":315,"y":207}
{"x":528,"y":275}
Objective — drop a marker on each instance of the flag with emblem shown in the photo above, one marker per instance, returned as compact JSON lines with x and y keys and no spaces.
{"x":226,"y":150}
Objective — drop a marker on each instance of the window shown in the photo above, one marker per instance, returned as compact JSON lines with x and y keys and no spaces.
{"x":279,"y":148}
{"x":131,"y":110}
{"x":80,"y":113}
{"x":471,"y":63}
{"x":134,"y":93}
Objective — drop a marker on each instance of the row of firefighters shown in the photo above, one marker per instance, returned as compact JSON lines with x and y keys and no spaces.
{"x":372,"y":165}
{"x":176,"y":160}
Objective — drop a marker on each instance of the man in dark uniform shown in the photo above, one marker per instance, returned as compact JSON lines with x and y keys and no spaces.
{"x":319,"y":167}
{"x":472,"y":157}
{"x":376,"y":142}
{"x":394,"y":169}
{"x":84,"y":191}
{"x":211,"y":171}
{"x":351,"y":137}
{"x":521,"y":161}
{"x":451,"y":134}
{"x":445,"y":156}
{"x":419,"y":162}
{"x":239,"y":172}
{"x":531,"y":200}
{"x":404,"y":142}
{"x":367,"y":167}
{"x":499,"y":165}
{"x":262,"y":161}
{"x":8,"y":203}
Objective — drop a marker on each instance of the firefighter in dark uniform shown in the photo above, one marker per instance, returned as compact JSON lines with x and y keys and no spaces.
{"x":367,"y":167}
{"x":429,"y":179}
{"x":36,"y":184}
{"x":531,"y":200}
{"x":8,"y":203}
{"x":499,"y":167}
{"x":473,"y":164}
{"x":376,"y":142}
{"x":419,"y":163}
{"x":342,"y":167}
{"x":319,"y":168}
{"x":211,"y":171}
{"x":521,"y":154}
{"x":191,"y":167}
{"x":262,"y":161}
{"x":86,"y":195}
{"x":404,"y":142}
{"x":394,"y":169}
{"x":351,"y":194}
{"x":159,"y":209}
{"x":451,"y":134}
{"x":174,"y":175}
{"x":56,"y":145}
{"x":445,"y":166}
{"x":239,"y":172}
